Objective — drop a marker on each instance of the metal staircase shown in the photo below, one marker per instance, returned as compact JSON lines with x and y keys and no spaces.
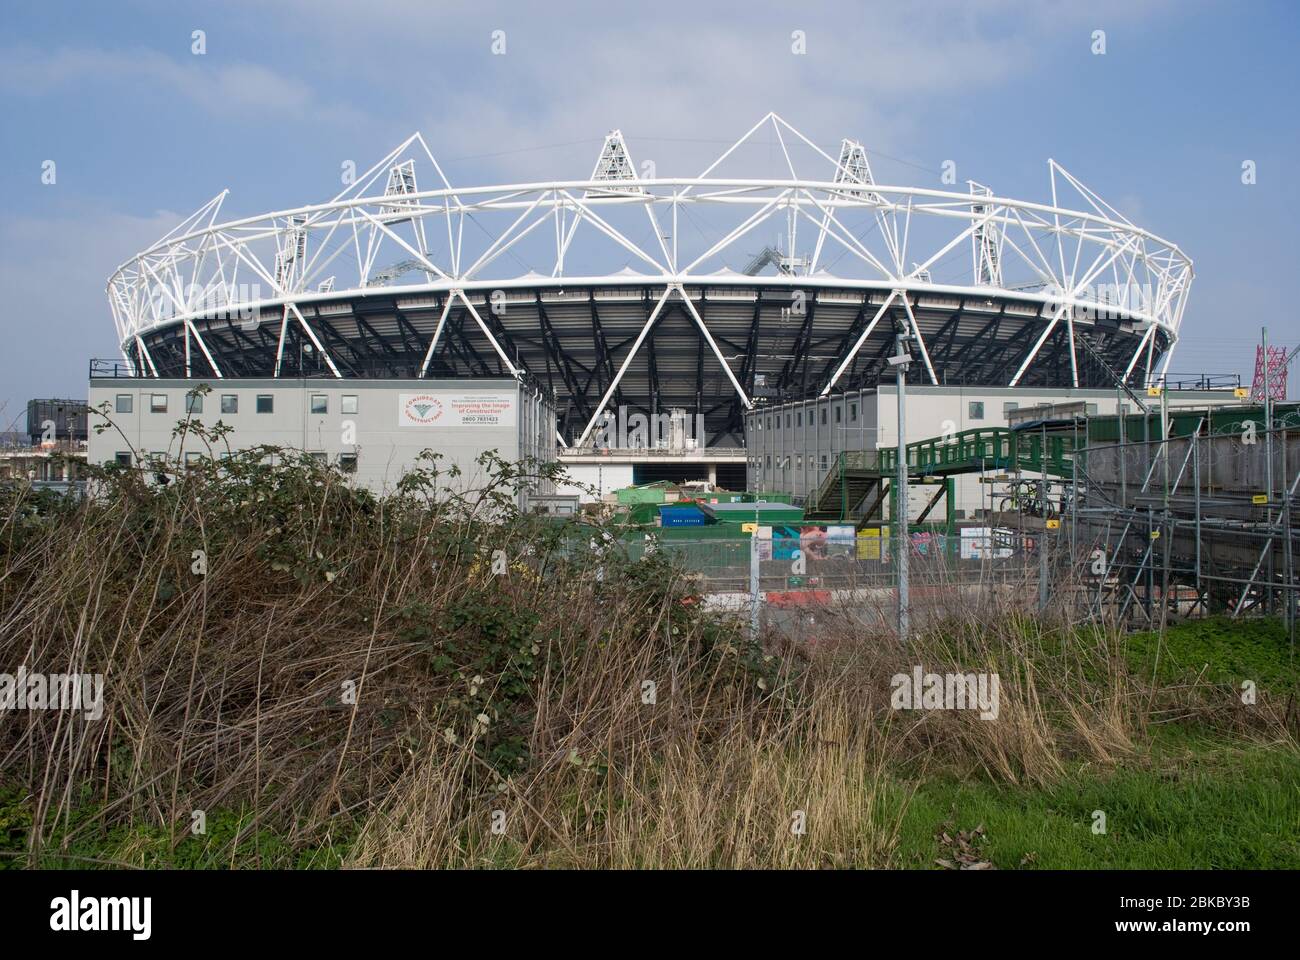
{"x":854,"y":480}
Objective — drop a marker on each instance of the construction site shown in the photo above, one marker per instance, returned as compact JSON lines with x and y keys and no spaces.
{"x":1169,"y":512}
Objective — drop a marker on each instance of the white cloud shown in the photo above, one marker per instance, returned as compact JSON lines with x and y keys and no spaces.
{"x":218,"y":87}
{"x":694,"y":74}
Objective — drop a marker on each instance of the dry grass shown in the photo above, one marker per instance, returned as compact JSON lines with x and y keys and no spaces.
{"x":806,"y":790}
{"x":352,"y":674}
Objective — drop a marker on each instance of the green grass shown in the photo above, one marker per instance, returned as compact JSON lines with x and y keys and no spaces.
{"x":1192,"y":798}
{"x":148,"y":846}
{"x":1220,"y":650}
{"x":1224,"y":808}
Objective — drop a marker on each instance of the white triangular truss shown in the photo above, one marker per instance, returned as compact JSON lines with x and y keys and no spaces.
{"x":985,"y":240}
{"x":853,"y":167}
{"x":837,"y":225}
{"x":614,"y":164}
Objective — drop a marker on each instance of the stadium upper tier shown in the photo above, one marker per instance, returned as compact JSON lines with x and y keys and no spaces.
{"x":709,"y":293}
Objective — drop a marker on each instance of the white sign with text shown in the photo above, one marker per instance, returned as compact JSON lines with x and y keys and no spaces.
{"x":455,"y":410}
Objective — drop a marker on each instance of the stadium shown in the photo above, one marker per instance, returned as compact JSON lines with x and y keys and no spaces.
{"x":710,"y":294}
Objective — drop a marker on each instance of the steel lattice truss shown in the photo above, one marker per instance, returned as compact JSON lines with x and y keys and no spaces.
{"x":621,"y":289}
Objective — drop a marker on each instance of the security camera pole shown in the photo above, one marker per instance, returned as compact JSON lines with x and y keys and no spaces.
{"x":900,"y":364}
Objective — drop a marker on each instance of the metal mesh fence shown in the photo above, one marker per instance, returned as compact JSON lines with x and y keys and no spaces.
{"x":1145,"y":531}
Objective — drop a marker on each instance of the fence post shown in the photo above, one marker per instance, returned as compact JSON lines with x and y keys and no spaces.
{"x":1042,"y":570}
{"x":1196,"y":506}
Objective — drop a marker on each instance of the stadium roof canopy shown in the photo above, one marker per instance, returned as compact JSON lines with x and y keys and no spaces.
{"x":712,"y":292}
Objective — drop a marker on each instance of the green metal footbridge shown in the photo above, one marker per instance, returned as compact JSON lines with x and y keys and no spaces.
{"x":864,"y":476}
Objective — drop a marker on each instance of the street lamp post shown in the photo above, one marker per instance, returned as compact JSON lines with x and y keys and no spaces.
{"x":900,"y":363}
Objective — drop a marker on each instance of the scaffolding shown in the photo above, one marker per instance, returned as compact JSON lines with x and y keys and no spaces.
{"x":1196,"y":516}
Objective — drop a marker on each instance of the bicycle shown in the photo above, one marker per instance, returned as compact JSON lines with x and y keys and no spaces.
{"x":1023,"y":497}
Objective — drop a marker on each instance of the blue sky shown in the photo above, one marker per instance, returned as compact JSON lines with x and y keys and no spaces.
{"x":143,"y":131}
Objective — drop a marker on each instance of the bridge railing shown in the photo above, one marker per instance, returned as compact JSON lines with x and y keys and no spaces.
{"x":982,"y":448}
{"x":967,"y":449}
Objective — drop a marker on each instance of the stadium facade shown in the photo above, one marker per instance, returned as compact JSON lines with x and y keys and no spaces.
{"x":708,"y":296}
